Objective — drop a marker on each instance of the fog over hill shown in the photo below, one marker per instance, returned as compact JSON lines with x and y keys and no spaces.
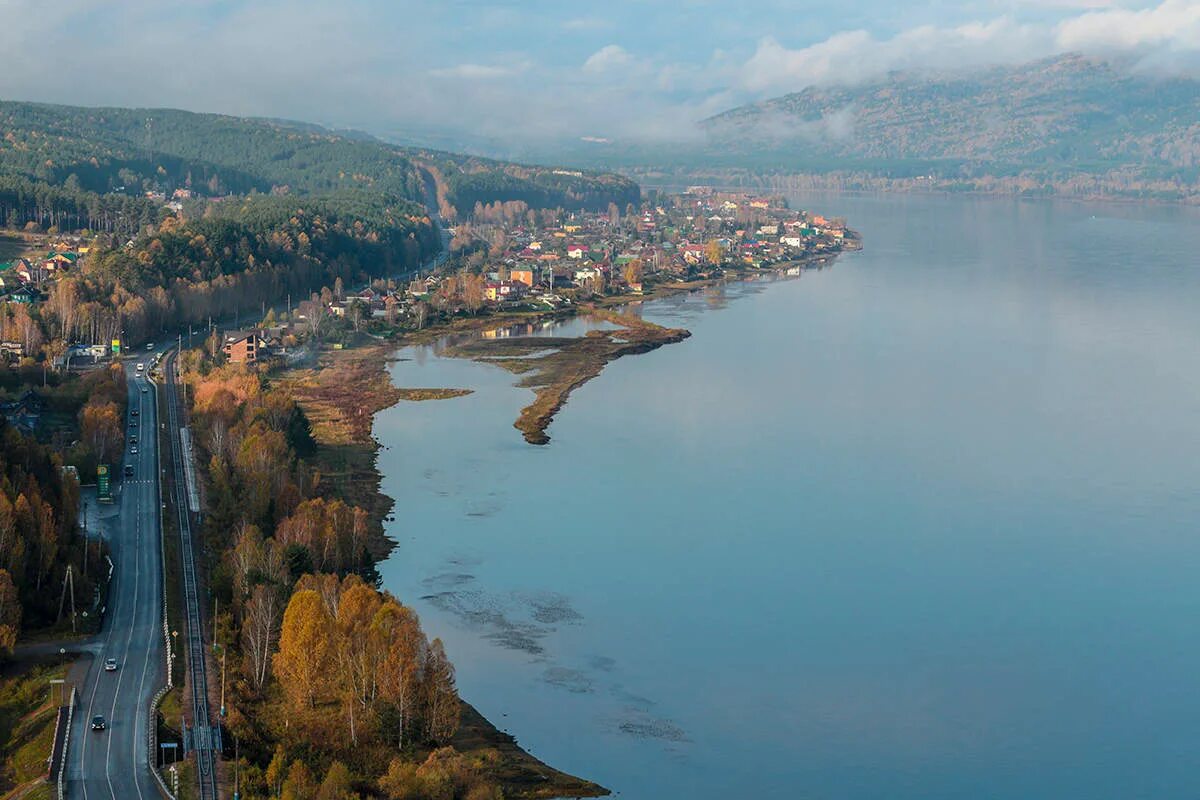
{"x":1068,"y":124}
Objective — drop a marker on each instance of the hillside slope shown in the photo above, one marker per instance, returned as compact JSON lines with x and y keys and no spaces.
{"x":133,"y":151}
{"x":1068,"y":124}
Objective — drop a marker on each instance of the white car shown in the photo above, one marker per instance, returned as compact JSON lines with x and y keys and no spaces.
{"x":110,"y":665}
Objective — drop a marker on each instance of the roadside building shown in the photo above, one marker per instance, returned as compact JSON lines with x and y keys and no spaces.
{"x":245,"y":347}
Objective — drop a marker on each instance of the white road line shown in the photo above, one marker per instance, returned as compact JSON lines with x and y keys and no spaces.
{"x":137,"y":573}
{"x":142,"y":714}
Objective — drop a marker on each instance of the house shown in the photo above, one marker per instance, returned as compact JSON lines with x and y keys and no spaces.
{"x":24,"y":412}
{"x":245,"y":347}
{"x":577,"y":251}
{"x":504,"y":290}
{"x":586,"y":274}
{"x":56,"y":261}
{"x":524,"y":276}
{"x":792,"y":241}
{"x":25,"y":296}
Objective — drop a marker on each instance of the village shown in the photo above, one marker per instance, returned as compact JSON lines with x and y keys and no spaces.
{"x":508,"y":258}
{"x":504,"y":258}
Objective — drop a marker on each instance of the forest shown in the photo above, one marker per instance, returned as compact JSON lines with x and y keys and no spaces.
{"x":329,"y":675}
{"x":463,"y":182}
{"x":40,"y":503}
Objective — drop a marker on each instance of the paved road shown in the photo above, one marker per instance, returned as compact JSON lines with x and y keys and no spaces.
{"x":113,"y":764}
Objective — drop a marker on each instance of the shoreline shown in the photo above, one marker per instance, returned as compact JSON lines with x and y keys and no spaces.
{"x":343,"y":390}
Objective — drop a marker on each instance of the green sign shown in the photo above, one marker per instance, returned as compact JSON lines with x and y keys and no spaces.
{"x":102,"y":484}
{"x":116,"y":347}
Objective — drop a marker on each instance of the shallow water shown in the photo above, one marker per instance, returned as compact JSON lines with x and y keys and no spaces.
{"x":919,"y":525}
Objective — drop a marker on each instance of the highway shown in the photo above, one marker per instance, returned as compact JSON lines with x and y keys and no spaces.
{"x":113,"y":764}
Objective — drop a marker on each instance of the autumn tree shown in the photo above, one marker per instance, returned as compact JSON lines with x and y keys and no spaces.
{"x":101,"y":429}
{"x":714,"y":252}
{"x":260,"y":628}
{"x":277,"y":771}
{"x":632,"y":272}
{"x":303,"y":658}
{"x":337,"y":783}
{"x":10,"y":613}
{"x":442,"y":708}
{"x":473,"y":291}
{"x":300,"y":783}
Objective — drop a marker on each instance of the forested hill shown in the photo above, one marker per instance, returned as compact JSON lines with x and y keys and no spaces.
{"x":1067,"y":124}
{"x":125,"y":153}
{"x":464,"y":181}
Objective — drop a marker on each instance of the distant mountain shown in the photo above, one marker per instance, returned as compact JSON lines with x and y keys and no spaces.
{"x":1068,"y":124}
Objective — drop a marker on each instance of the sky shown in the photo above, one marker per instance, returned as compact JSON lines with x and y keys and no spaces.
{"x":538,"y":70}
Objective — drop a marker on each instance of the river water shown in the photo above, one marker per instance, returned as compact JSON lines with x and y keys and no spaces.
{"x":924,"y":524}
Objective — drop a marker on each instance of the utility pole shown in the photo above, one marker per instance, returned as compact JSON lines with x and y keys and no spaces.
{"x":68,"y":579}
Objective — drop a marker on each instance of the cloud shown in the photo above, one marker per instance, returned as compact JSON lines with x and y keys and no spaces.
{"x":856,"y":56}
{"x":1165,"y":35}
{"x":586,"y":24}
{"x":479,"y":71}
{"x":1173,"y":23}
{"x":607,"y":58}
{"x":429,"y":68}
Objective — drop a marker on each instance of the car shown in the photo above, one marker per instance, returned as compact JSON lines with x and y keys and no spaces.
{"x":144,"y":390}
{"x":133,"y":449}
{"x":141,"y":367}
{"x":98,"y":723}
{"x":133,"y":413}
{"x":129,"y":470}
{"x":149,"y":345}
{"x":110,"y":665}
{"x":133,"y":439}
{"x":132,"y":424}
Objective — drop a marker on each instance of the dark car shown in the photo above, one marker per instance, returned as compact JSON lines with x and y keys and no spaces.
{"x":98,"y":723}
{"x":129,"y":470}
{"x":133,"y":413}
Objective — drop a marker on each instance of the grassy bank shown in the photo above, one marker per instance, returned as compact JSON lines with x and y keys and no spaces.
{"x":28,"y":710}
{"x":15,"y":246}
{"x":522,"y":776}
{"x":562,"y":365}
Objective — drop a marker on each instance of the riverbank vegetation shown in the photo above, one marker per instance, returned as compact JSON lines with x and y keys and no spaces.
{"x":555,"y":367}
{"x":332,"y":683}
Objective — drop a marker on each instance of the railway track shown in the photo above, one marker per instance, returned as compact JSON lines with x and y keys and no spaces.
{"x":204,"y":737}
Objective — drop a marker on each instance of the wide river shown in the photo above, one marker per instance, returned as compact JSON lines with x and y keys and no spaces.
{"x":924,"y":524}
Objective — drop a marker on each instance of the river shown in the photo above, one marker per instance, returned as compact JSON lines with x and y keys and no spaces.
{"x":923,"y":524}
